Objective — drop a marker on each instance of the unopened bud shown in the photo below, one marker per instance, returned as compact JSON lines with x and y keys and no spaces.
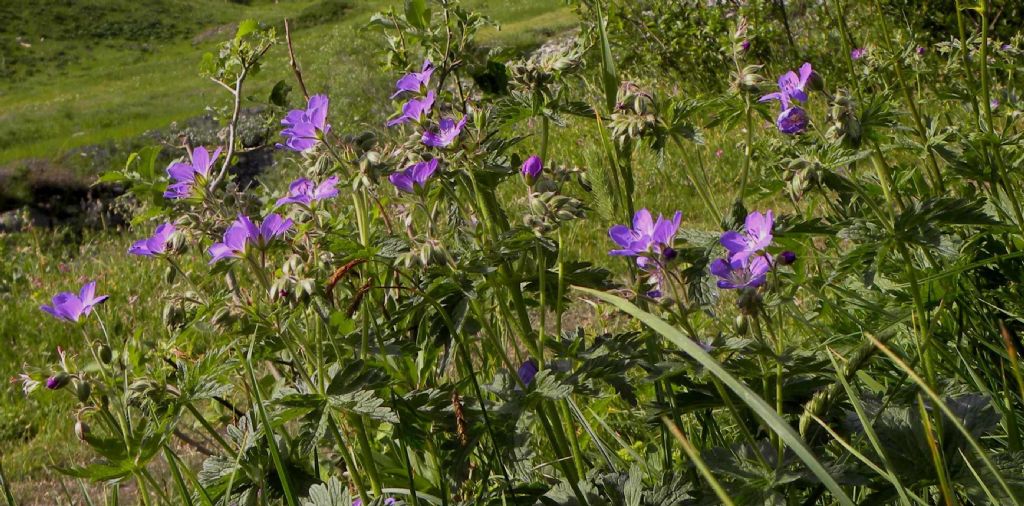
{"x":83,"y":390}
{"x":787,"y":258}
{"x":103,"y":351}
{"x":58,"y":381}
{"x":81,"y":430}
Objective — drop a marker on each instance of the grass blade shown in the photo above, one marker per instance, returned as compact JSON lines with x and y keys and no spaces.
{"x":949,"y":414}
{"x":6,"y":487}
{"x":751,"y":399}
{"x":268,"y":430}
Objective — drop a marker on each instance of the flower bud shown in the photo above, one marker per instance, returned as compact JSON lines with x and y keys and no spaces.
{"x":787,"y":258}
{"x":531,"y":169}
{"x":103,"y":351}
{"x":669,"y":254}
{"x":169,"y":274}
{"x":741,"y":324}
{"x":81,"y":430}
{"x":58,"y":381}
{"x":83,"y":390}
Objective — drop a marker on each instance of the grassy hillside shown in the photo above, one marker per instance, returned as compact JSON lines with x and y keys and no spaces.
{"x":83,"y":85}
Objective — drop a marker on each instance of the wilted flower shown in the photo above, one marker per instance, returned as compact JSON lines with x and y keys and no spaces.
{"x":304,"y":128}
{"x":184,"y":174}
{"x":154,"y":245}
{"x":792,"y":121}
{"x":756,"y":237}
{"x":243,"y":231}
{"x":304,"y":191}
{"x":739,"y":273}
{"x":792,"y":86}
{"x":414,"y":175}
{"x":858,"y":53}
{"x":532,"y":168}
{"x":416,"y":109}
{"x":527,"y":371}
{"x":414,"y":81}
{"x":646,"y":236}
{"x":68,"y":306}
{"x":447,"y":131}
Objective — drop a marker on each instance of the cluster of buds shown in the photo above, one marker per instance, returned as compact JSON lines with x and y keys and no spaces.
{"x":294,"y":282}
{"x":801,"y":176}
{"x":549,"y":209}
{"x":844,"y":126}
{"x":747,"y":80}
{"x":424,"y":254}
{"x":636,"y":114}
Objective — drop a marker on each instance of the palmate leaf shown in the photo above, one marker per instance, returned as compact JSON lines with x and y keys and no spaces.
{"x":332,"y":493}
{"x":751,"y":399}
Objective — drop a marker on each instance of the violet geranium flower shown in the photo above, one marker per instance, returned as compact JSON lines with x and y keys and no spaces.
{"x":532,"y":168}
{"x":415,"y":175}
{"x":792,"y":120}
{"x":243,"y":232}
{"x":303,"y":191}
{"x":154,"y":245}
{"x":739,"y":273}
{"x":646,"y":236}
{"x":756,"y":237}
{"x":414,"y":81}
{"x":184,"y":175}
{"x":416,"y":109}
{"x":304,"y":128}
{"x":527,"y":371}
{"x":447,"y":131}
{"x":791,"y":86}
{"x":68,"y":306}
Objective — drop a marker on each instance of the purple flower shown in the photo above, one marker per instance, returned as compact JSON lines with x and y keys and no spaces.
{"x":646,"y":236}
{"x":154,"y":245}
{"x":68,"y":306}
{"x":791,"y":86}
{"x":532,"y":168}
{"x":920,"y":50}
{"x":243,"y":231}
{"x":414,"y":81}
{"x":527,"y":371}
{"x":994,"y":103}
{"x":787,"y":258}
{"x":447,"y":131}
{"x":414,"y":175}
{"x":416,"y":109}
{"x":184,"y":175}
{"x":387,"y":502}
{"x":739,"y":273}
{"x":858,"y":53}
{"x":58,"y":381}
{"x":1005,"y":47}
{"x":303,"y":191}
{"x":745,"y":45}
{"x":756,"y":237}
{"x":792,"y":120}
{"x":304,"y":128}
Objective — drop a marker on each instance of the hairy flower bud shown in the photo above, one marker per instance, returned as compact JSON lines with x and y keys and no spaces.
{"x":81,"y":430}
{"x":83,"y":390}
{"x":58,"y":381}
{"x":104,"y":353}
